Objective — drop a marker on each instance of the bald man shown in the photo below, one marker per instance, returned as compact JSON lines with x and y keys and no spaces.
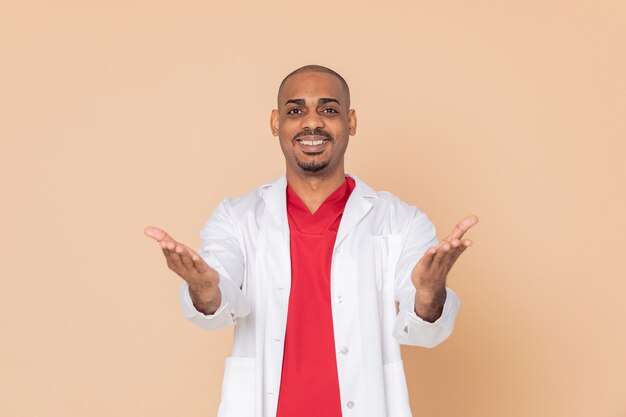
{"x":322,"y":276}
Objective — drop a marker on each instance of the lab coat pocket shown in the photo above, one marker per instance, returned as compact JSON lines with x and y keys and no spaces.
{"x":387,"y":253}
{"x":238,"y":394}
{"x":396,"y":392}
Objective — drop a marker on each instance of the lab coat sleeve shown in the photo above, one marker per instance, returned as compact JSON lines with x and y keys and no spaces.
{"x":222,"y":249}
{"x":409,"y":328}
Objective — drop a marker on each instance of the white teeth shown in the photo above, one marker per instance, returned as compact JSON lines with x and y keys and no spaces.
{"x":311,"y":142}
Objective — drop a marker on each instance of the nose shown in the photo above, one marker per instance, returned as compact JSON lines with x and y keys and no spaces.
{"x":312,"y":121}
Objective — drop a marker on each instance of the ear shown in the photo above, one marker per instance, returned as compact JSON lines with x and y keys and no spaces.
{"x":274,"y":122}
{"x":352,"y":122}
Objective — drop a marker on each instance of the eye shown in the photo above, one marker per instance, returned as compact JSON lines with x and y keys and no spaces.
{"x":294,"y":110}
{"x":329,"y":110}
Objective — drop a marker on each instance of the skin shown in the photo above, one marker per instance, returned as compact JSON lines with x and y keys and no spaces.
{"x":184,"y":261}
{"x":431,"y":271}
{"x":315,"y":103}
{"x":308,"y":102}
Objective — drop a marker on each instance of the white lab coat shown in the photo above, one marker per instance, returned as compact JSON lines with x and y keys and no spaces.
{"x":379,"y":240}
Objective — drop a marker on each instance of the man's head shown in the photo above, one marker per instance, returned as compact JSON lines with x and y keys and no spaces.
{"x":319,"y":69}
{"x":313,"y":120}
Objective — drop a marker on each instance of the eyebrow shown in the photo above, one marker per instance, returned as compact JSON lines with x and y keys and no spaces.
{"x":323,"y":100}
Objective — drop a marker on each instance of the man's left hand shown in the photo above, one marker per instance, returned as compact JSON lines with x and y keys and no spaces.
{"x":430,"y":273}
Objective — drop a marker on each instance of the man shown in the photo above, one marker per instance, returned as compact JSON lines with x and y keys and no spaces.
{"x":310,"y":267}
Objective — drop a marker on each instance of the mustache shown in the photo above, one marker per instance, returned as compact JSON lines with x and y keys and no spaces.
{"x":314,"y":132}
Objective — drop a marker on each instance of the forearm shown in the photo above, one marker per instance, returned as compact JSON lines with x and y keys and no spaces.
{"x":411,"y":329}
{"x":206,"y":301}
{"x":429,"y":304}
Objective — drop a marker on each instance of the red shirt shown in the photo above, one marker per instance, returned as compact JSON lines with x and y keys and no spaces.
{"x":309,"y":384}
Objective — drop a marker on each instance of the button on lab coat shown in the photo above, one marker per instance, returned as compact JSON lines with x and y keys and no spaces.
{"x":379,"y":241}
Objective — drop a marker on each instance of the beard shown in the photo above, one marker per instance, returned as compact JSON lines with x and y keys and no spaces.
{"x":312,"y":166}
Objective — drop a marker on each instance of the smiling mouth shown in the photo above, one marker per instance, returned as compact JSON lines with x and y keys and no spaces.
{"x":312,"y":142}
{"x":312,"y":145}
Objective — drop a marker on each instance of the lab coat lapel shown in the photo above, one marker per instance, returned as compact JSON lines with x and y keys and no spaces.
{"x":274,"y":270}
{"x":275,"y":229}
{"x":275,"y":198}
{"x":357,"y":207}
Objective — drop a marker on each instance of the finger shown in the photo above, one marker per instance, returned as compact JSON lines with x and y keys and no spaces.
{"x":455,"y":244}
{"x":427,"y":258}
{"x":193,"y":256}
{"x":190,"y":251}
{"x":442,"y":253}
{"x":175,"y":262}
{"x":165,"y":240}
{"x":168,"y":243}
{"x":155,"y":233}
{"x":185,"y":256}
{"x":199,"y":263}
{"x":461,"y":227}
{"x":168,"y":258}
{"x":455,"y":255}
{"x":452,"y":254}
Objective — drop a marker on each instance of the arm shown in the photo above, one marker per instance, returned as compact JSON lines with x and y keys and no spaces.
{"x":210,"y":294}
{"x":430,"y":273}
{"x":221,"y":248}
{"x":427,"y":308}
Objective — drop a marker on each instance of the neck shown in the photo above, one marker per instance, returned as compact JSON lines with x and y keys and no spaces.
{"x":314,"y":189}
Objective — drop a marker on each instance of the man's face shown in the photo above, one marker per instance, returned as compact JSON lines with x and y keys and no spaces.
{"x":313,"y":122}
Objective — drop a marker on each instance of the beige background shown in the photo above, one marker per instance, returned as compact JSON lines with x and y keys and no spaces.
{"x":117,"y":115}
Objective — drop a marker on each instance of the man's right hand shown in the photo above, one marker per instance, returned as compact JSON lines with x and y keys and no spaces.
{"x":202,"y":279}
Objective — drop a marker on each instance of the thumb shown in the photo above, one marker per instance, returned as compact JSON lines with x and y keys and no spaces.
{"x":155,"y":233}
